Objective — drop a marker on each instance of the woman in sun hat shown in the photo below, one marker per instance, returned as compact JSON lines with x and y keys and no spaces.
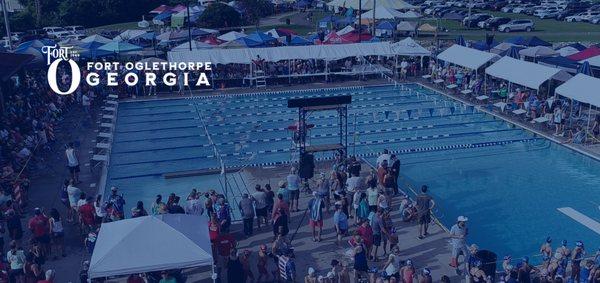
{"x":458,"y":237}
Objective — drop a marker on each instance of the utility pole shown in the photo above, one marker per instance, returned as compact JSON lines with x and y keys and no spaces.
{"x":6,"y":24}
{"x":374,"y":5}
{"x":189,"y":25}
{"x":359,"y":19}
{"x":470,"y":7}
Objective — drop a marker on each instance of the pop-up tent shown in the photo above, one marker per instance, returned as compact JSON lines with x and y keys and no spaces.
{"x":466,"y":57}
{"x":524,"y":73}
{"x":151,"y":243}
{"x":582,"y":88}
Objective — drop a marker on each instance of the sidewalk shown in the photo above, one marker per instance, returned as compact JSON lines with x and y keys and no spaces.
{"x":47,"y":182}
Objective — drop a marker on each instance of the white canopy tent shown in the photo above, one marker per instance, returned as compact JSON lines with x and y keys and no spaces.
{"x":232,"y":35}
{"x":381,"y":13}
{"x":129,"y":34}
{"x":151,"y":243}
{"x":466,"y":57}
{"x":502,"y":47}
{"x":538,"y":51}
{"x":377,"y":4}
{"x":582,"y":88}
{"x":407,"y":26}
{"x":195,"y":46}
{"x":594,"y":61}
{"x":274,"y":54}
{"x":409,"y":47}
{"x":567,"y":51}
{"x":410,"y":15}
{"x":524,"y":73}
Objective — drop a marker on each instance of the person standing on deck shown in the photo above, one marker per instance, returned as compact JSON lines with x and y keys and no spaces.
{"x":424,"y":205}
{"x":293,"y":186}
{"x":384,"y":156}
{"x":458,"y":239}
{"x":259,"y":198}
{"x":315,"y":209}
{"x":72,"y":162}
{"x":395,"y":171}
{"x":247,"y":211}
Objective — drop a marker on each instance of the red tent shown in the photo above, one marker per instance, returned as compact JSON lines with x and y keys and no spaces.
{"x":160,"y":9}
{"x":212,"y":40}
{"x":178,"y":8}
{"x":353,"y":37}
{"x":586,"y":53}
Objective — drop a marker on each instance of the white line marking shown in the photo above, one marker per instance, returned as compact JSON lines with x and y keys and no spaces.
{"x":581,"y":218}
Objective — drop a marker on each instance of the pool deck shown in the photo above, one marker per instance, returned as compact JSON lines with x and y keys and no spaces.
{"x":432,"y":252}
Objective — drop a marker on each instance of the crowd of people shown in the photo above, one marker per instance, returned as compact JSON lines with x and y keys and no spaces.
{"x":565,"y":118}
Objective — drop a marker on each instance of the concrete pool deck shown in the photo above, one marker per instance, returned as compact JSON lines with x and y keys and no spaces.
{"x":432,"y":252}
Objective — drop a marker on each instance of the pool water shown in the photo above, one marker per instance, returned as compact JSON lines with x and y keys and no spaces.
{"x":505,"y":179}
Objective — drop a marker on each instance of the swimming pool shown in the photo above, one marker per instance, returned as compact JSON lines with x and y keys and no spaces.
{"x":505,"y":179}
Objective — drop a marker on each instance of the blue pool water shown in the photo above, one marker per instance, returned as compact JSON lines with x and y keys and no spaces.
{"x":506,"y":180}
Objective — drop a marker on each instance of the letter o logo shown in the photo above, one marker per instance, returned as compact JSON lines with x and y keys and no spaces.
{"x":75,"y":77}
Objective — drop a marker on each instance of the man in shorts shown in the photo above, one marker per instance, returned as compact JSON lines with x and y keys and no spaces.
{"x":458,"y":240}
{"x":72,"y":162}
{"x":315,"y":209}
{"x":378,"y":229}
{"x":293,"y":186}
{"x":40,"y":228}
{"x":424,"y":205}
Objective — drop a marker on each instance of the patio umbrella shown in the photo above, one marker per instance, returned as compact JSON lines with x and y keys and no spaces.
{"x":461,"y":41}
{"x":585,"y":69}
{"x":119,"y":47}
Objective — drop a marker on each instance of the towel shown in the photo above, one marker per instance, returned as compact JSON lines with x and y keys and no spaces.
{"x":315,"y":209}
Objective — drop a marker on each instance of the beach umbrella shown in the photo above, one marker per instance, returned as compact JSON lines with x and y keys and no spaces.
{"x":585,"y":69}
{"x":461,"y":41}
{"x":119,"y":47}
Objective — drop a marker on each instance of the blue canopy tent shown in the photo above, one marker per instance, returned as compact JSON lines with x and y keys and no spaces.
{"x":536,"y":41}
{"x":517,"y":40}
{"x":577,"y":46}
{"x":386,"y":25}
{"x":34,"y":47}
{"x":163,"y":16}
{"x":585,"y":69}
{"x":512,"y":52}
{"x":560,"y":62}
{"x":262,"y":38}
{"x":248,"y":42}
{"x":91,"y":50}
{"x":482,"y":45}
{"x":119,"y":47}
{"x":298,"y":40}
{"x":324,"y":22}
{"x":461,"y":41}
{"x":375,"y":39}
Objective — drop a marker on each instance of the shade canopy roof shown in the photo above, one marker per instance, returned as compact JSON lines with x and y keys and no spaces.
{"x":151,"y":243}
{"x":524,"y":73}
{"x":582,"y":88}
{"x":466,"y":57}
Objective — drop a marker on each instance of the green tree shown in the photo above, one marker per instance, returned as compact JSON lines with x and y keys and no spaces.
{"x":256,"y":9}
{"x":219,"y":15}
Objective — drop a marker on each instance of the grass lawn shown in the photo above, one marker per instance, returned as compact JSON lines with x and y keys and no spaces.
{"x":120,"y":26}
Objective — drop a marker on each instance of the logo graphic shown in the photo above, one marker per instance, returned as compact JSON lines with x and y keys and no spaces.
{"x":61,"y":54}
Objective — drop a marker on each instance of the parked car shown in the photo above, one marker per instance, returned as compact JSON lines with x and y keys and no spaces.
{"x":588,"y":15}
{"x":474,"y":19}
{"x":56,"y":32}
{"x":595,"y":20}
{"x":517,"y":25}
{"x":508,"y":8}
{"x":497,"y":6}
{"x":75,"y":29}
{"x":549,"y":13}
{"x":575,"y":18}
{"x":495,"y":22}
{"x":522,"y":8}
